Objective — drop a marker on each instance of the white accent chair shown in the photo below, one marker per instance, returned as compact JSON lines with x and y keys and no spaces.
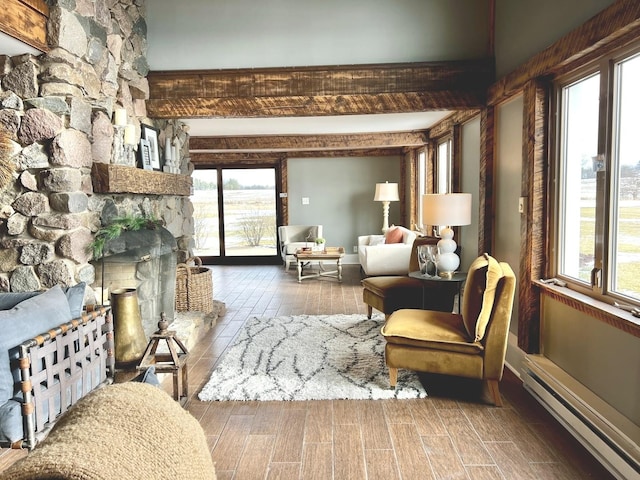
{"x":294,"y":237}
{"x":379,"y":258}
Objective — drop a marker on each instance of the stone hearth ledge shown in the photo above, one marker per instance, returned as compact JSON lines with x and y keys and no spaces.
{"x":190,"y":327}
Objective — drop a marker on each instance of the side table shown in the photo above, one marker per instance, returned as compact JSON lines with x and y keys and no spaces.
{"x":438,"y":293}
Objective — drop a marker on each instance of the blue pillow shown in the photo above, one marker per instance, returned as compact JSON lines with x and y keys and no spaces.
{"x":75,"y":297}
{"x":11,"y":299}
{"x":24,"y":321}
{"x":74,"y":294}
{"x":11,"y":429}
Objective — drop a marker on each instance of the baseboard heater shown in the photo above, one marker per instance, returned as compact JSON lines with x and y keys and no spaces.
{"x":609,"y":436}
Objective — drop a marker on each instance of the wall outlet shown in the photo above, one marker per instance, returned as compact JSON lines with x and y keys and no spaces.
{"x":355,"y":249}
{"x":522,"y":204}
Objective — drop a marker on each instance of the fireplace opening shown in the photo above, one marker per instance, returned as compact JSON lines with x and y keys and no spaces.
{"x":145,"y":260}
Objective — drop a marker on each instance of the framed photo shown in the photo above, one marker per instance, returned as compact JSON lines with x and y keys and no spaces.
{"x":145,"y":154}
{"x":150,"y":134}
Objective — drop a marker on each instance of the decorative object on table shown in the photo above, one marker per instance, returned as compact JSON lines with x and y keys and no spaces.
{"x":122,"y":152}
{"x":150,"y":134}
{"x":307,"y":357}
{"x":194,"y":287}
{"x":145,"y":155}
{"x":448,"y":210}
{"x":386,"y":193}
{"x":427,"y":259}
{"x":319,"y":244}
{"x":130,"y":340}
{"x":174,"y":361}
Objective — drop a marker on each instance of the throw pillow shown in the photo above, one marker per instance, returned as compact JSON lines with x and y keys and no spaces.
{"x":11,"y":422}
{"x":376,"y":241}
{"x":11,"y":299}
{"x":74,"y":294}
{"x":494,"y":274}
{"x":24,"y":321}
{"x":394,"y":235}
{"x":75,"y":297}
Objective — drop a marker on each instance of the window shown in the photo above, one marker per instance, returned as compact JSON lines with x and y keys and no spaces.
{"x":422,"y":184}
{"x":598,"y":198}
{"x":443,"y":167}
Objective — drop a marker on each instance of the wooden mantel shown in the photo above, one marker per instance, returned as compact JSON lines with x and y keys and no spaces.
{"x":109,"y":178}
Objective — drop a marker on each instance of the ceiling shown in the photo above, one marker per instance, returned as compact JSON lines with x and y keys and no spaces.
{"x":344,"y":124}
{"x":10,"y":46}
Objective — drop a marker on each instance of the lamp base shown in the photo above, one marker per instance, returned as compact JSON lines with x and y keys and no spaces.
{"x":447,"y":261}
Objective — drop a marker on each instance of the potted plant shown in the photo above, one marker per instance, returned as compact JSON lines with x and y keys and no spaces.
{"x":319,"y":243}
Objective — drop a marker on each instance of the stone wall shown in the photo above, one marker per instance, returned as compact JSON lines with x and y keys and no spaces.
{"x":56,"y":112}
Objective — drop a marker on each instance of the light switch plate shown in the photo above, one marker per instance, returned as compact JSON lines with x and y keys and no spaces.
{"x":305,"y":200}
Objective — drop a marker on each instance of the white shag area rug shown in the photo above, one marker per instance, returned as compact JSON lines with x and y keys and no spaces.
{"x":308,"y":357}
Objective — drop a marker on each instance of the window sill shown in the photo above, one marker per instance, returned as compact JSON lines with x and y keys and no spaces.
{"x":602,"y":311}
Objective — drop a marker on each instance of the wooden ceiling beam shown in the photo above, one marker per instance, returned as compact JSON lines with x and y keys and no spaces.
{"x":26,"y":20}
{"x":234,"y":158}
{"x":287,"y":143}
{"x":318,"y":91}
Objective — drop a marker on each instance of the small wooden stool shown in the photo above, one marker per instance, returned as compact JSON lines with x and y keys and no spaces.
{"x":174,"y":362}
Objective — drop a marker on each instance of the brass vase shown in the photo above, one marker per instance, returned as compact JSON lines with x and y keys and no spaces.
{"x":129,"y":338}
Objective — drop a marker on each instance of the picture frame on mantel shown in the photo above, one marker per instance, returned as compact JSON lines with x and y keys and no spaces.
{"x":150,"y":134}
{"x":145,"y":155}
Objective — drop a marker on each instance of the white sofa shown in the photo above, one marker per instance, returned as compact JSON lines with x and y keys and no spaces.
{"x":293,"y":237}
{"x":379,"y":258}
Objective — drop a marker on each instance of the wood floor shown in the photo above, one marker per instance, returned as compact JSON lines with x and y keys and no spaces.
{"x":450,"y":435}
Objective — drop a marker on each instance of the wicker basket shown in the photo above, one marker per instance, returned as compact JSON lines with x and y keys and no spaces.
{"x":194,"y":287}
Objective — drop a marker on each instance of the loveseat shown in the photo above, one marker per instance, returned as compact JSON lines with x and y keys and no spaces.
{"x":387,"y":254}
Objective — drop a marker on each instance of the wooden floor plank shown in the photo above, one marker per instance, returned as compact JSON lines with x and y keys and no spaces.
{"x":381,"y":465}
{"x":444,"y":458}
{"x":317,"y":461}
{"x":348,"y":452}
{"x":255,"y":459}
{"x":412,"y":458}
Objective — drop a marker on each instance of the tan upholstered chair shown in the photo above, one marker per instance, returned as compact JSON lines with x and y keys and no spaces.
{"x":293,"y":237}
{"x":472,"y":344}
{"x":393,"y":292}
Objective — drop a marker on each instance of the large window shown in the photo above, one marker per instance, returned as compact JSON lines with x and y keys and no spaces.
{"x":598,"y":200}
{"x":443,"y":167}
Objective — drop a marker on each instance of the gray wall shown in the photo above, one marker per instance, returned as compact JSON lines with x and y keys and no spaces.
{"x":340,"y":192}
{"x":470,"y":175}
{"x":524,"y":28}
{"x":275,"y":33}
{"x":506,"y":240}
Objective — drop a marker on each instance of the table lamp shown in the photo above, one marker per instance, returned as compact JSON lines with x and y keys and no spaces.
{"x":386,"y":192}
{"x":448,"y":210}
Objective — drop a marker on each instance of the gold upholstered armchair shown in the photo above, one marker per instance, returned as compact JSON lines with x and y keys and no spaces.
{"x":472,"y":344}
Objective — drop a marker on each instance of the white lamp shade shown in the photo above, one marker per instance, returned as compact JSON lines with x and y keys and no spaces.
{"x":386,"y":192}
{"x":448,"y":209}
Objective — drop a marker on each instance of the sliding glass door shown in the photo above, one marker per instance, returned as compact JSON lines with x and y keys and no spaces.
{"x":235,"y":224}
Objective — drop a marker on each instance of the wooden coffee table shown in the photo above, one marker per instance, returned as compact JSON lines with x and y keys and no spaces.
{"x":328,"y":254}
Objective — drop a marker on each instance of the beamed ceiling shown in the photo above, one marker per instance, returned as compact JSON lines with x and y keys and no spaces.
{"x":313,"y":92}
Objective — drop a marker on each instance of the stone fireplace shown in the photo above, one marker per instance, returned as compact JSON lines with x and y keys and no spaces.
{"x":57,"y":130}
